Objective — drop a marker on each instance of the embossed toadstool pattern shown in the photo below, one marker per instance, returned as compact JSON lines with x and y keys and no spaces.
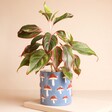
{"x":54,"y":89}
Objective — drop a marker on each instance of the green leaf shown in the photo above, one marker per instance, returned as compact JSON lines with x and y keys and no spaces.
{"x":56,"y":57}
{"x":70,"y":38}
{"x":29,"y":31}
{"x":49,"y":42}
{"x":38,"y":60}
{"x":67,"y":56}
{"x":36,"y":39}
{"x":62,"y":35}
{"x":64,"y":16}
{"x":30,"y":28}
{"x":53,"y":16}
{"x":46,"y":8}
{"x":26,"y":35}
{"x":82,"y":48}
{"x":76,"y":64}
{"x":67,"y":73}
{"x":30,"y":48}
{"x":76,"y":61}
{"x":24,"y":62}
{"x":47,"y":12}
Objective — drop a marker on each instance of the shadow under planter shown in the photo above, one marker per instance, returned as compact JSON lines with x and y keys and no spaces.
{"x":55,"y":89}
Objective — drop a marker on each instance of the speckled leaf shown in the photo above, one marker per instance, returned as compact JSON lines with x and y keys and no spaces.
{"x":62,"y":35}
{"x":29,"y":31}
{"x":76,"y":64}
{"x":24,"y":62}
{"x":67,"y":56}
{"x":56,"y":56}
{"x":38,"y":60}
{"x":30,"y":48}
{"x":67,"y":73}
{"x":49,"y":42}
{"x":36,"y":39}
{"x":64,"y":16}
{"x":82,"y":48}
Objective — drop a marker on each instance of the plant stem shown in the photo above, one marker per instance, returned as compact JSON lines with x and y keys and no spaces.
{"x":51,"y":68}
{"x":50,"y":26}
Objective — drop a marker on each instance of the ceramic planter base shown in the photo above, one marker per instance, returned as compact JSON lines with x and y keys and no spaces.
{"x":55,"y":89}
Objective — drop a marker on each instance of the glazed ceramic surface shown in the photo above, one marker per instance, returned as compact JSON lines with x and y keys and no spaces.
{"x":55,"y":89}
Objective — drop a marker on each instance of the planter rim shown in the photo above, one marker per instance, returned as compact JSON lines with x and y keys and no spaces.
{"x":50,"y":71}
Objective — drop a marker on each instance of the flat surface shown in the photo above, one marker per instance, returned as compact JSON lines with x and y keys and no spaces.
{"x":83,"y":101}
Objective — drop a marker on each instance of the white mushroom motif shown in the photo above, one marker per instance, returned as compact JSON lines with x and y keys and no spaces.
{"x":65,"y":79}
{"x":42,"y":97}
{"x":53,"y":98}
{"x":42,"y":77}
{"x":60,"y":89}
{"x":65,"y":99}
{"x":69,"y":88}
{"x":53,"y":77}
{"x":47,"y":88}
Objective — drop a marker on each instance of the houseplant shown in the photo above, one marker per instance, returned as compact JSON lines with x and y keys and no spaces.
{"x":46,"y":49}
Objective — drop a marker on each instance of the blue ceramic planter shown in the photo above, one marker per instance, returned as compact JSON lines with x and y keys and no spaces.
{"x":55,"y":89}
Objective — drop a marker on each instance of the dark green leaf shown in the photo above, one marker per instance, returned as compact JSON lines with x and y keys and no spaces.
{"x":30,"y":48}
{"x":67,"y":56}
{"x":64,"y":16}
{"x":62,"y":35}
{"x":30,"y":28}
{"x":67,"y":73}
{"x":56,"y":56}
{"x":38,"y":60}
{"x":36,"y":39}
{"x":25,"y":62}
{"x":49,"y":42}
{"x":82,"y":48}
{"x":26,"y":35}
{"x":29,"y":31}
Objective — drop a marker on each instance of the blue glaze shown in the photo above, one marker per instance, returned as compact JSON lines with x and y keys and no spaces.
{"x":54,"y":96}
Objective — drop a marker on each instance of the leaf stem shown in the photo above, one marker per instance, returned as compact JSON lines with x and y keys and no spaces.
{"x":50,"y":26}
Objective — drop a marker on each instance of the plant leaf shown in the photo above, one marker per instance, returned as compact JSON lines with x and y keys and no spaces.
{"x":46,"y":8}
{"x":64,"y":16}
{"x":56,"y":57}
{"x":82,"y":48}
{"x":38,"y":60}
{"x":49,"y":42}
{"x":76,"y":64}
{"x":77,"y":70}
{"x":26,"y":35}
{"x":30,"y":48}
{"x":62,"y":35}
{"x":24,"y":62}
{"x":53,"y":16}
{"x":67,"y":73}
{"x":47,"y":12}
{"x":67,"y":56}
{"x":77,"y":61}
{"x":36,"y":39}
{"x":30,"y":28}
{"x":29,"y":31}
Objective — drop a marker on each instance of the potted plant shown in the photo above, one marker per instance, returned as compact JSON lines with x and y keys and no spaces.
{"x":46,"y":49}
